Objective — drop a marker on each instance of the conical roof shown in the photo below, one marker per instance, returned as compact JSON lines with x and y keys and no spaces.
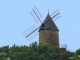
{"x":48,"y":23}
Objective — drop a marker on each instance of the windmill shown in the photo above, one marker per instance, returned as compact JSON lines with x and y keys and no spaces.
{"x":33,"y":31}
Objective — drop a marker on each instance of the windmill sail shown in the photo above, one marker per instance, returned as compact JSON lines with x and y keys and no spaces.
{"x":34,"y":18}
{"x":36,"y":14}
{"x":31,"y":32}
{"x":38,"y":11}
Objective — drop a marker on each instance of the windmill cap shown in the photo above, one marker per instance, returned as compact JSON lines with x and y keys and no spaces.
{"x":48,"y":23}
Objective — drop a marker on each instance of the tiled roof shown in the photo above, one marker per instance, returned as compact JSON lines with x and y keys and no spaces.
{"x":48,"y":23}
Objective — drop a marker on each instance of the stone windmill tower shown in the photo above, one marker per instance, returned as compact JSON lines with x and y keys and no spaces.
{"x":48,"y":32}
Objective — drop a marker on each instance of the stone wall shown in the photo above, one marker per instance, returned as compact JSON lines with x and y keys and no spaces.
{"x":49,"y":37}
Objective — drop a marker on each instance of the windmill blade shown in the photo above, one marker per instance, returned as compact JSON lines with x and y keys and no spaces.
{"x":38,"y":11}
{"x":32,"y":35}
{"x":31,"y":32}
{"x":34,"y":18}
{"x":28,"y":30}
{"x":57,"y":18}
{"x":56,"y":15}
{"x":36,"y":15}
{"x":55,"y":12}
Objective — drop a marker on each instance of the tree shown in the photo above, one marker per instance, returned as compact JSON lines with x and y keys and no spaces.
{"x":69,"y":56}
{"x":36,"y":52}
{"x":78,"y":51}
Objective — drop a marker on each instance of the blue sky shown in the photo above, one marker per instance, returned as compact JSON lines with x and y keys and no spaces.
{"x":15,"y":18}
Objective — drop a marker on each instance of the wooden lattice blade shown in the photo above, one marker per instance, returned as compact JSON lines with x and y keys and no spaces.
{"x":31,"y":32}
{"x":36,"y":14}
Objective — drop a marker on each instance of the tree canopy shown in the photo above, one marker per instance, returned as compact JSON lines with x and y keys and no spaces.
{"x":36,"y":52}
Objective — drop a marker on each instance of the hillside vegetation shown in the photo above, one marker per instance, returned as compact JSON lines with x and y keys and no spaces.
{"x":36,"y":52}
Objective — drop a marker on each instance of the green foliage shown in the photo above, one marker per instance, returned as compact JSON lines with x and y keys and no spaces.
{"x":35,"y":52}
{"x":78,"y":51}
{"x":69,"y":56}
